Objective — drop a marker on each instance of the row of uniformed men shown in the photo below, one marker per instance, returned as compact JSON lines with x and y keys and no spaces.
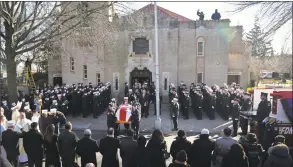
{"x":74,"y":99}
{"x":227,"y":101}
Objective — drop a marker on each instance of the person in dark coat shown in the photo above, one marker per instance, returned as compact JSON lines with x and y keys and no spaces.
{"x":200,"y":153}
{"x":127,"y":148}
{"x":253,"y":150}
{"x":157,"y":148}
{"x":181,"y":160}
{"x":87,"y":148}
{"x":10,"y":143}
{"x":51,"y":147}
{"x":140,"y":156}
{"x":108,"y":148}
{"x":33,"y":146}
{"x":235,"y":157}
{"x":181,"y":143}
{"x":279,"y":157}
{"x":67,"y":142}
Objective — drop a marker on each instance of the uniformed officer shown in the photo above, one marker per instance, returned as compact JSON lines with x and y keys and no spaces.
{"x":246,"y":106}
{"x":235,"y":115}
{"x":175,"y":113}
{"x":270,"y":131}
{"x":263,"y":111}
{"x":135,"y":117}
{"x":185,"y":103}
{"x":96,"y":104}
{"x":85,"y":105}
{"x":111,"y":118}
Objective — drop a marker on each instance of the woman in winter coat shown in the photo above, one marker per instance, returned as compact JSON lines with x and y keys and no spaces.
{"x":235,"y":158}
{"x":279,"y":157}
{"x":180,"y":160}
{"x":253,"y":150}
{"x":51,"y":148}
{"x":140,"y":156}
{"x":157,"y":148}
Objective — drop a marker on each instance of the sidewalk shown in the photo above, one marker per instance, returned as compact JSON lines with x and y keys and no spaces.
{"x":192,"y":125}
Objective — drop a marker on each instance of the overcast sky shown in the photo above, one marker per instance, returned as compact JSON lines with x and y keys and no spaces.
{"x":246,"y":18}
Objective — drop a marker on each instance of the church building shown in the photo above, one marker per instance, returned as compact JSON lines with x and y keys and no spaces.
{"x":192,"y":51}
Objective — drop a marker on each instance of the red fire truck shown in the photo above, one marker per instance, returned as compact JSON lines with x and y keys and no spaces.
{"x":282,"y":107}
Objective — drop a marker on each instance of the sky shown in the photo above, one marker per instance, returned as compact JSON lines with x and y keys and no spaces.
{"x":245,"y":18}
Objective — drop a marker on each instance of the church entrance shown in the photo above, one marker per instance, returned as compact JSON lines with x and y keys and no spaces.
{"x":141,"y":76}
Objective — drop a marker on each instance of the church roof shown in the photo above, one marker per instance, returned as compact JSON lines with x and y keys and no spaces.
{"x":164,"y":12}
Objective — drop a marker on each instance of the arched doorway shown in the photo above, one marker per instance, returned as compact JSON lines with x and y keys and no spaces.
{"x":144,"y":75}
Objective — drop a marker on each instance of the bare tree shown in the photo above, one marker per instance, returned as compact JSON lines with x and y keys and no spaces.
{"x":275,"y":14}
{"x":281,"y":63}
{"x":28,"y":25}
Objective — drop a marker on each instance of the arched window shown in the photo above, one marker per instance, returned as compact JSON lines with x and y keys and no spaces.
{"x":200,"y":46}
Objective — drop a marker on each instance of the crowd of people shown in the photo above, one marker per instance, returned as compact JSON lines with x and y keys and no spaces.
{"x":30,"y":129}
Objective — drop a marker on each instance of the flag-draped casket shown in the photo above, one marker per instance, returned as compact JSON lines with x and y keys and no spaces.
{"x":123,"y":113}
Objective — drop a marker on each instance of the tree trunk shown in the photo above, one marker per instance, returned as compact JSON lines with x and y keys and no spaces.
{"x":11,"y":75}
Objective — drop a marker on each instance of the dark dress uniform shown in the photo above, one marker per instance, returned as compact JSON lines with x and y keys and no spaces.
{"x":263,"y":111}
{"x":111,"y":119}
{"x":235,"y":116}
{"x":96,"y":104}
{"x":10,"y":143}
{"x":185,"y":103}
{"x":87,"y":148}
{"x":144,"y":102}
{"x":108,"y":148}
{"x":243,"y":121}
{"x":85,"y":105}
{"x":135,"y":119}
{"x":175,"y":114}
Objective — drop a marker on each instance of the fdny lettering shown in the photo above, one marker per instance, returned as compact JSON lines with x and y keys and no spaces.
{"x":285,"y":130}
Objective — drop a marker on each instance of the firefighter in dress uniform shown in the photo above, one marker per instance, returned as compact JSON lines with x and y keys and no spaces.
{"x":111,"y":118}
{"x":135,"y":117}
{"x":263,"y":111}
{"x":246,"y":106}
{"x":235,"y":112}
{"x":175,"y":113}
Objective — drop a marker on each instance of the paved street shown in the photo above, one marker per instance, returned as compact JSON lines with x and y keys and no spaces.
{"x":192,"y":125}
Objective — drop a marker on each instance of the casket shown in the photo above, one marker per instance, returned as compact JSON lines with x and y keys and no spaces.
{"x":123,"y":114}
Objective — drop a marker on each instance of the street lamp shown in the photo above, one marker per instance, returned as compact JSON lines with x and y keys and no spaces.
{"x":158,"y":119}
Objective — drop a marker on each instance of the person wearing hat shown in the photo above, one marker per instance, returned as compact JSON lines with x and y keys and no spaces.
{"x":246,"y":106}
{"x":10,"y":142}
{"x":87,"y":148}
{"x":253,"y":150}
{"x":263,"y":111}
{"x":235,"y":113}
{"x":175,"y":113}
{"x":126,"y":89}
{"x":180,"y":143}
{"x":270,"y":130}
{"x":111,"y":118}
{"x":144,"y":102}
{"x":200,"y":153}
{"x":181,"y":160}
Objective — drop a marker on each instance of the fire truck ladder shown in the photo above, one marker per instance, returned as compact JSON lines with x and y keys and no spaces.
{"x":30,"y":80}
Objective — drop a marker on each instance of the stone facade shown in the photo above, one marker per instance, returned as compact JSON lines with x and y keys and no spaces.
{"x":224,"y":53}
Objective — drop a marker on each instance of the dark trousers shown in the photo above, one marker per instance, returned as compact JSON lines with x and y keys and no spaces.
{"x":185,"y":111}
{"x":35,"y":161}
{"x":235,"y":126}
{"x":244,"y":125}
{"x":13,"y":160}
{"x":135,"y":127}
{"x":198,"y":112}
{"x":145,"y":110}
{"x":175,"y":122}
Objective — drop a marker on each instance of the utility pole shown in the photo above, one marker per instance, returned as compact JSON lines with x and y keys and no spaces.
{"x":158,"y":119}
